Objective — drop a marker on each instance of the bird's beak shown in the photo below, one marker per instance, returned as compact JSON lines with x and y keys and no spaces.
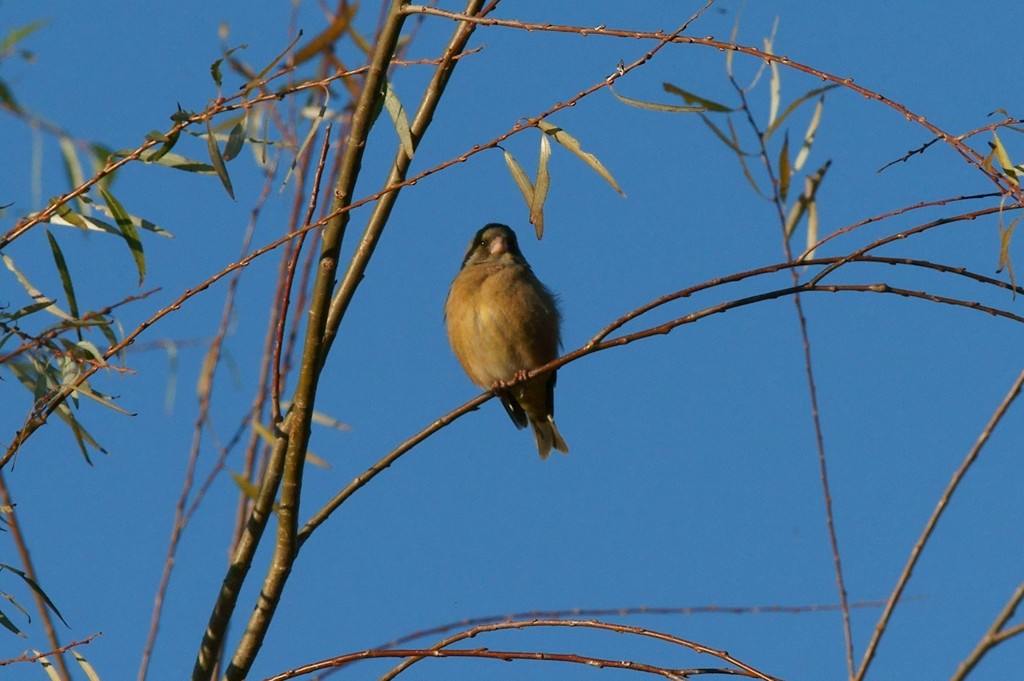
{"x":498,"y":246}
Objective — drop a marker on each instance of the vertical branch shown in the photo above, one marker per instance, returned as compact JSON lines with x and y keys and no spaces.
{"x":206,"y":378}
{"x":26,"y":565}
{"x":812,"y":389}
{"x":293,"y":436}
{"x":238,"y":568}
{"x":399,"y":170}
{"x":947,"y":495}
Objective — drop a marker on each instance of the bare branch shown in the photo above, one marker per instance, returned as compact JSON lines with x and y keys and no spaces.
{"x":929,"y":527}
{"x":441,"y":650}
{"x":35,"y":657}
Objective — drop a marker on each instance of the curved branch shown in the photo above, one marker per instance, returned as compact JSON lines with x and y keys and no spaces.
{"x":954,"y":141}
{"x":598,"y":344}
{"x":39,"y":416}
{"x":440,"y":650}
{"x":295,"y":430}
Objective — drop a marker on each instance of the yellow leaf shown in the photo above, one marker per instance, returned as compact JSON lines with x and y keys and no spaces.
{"x":655,"y":106}
{"x":573,"y":145}
{"x":521,"y":178}
{"x":540,"y":192}
{"x":1004,"y":160}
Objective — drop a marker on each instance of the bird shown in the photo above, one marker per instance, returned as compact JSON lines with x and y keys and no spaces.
{"x":502,"y":322}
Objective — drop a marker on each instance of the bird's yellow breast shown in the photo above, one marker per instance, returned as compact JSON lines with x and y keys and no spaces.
{"x":500,"y":320}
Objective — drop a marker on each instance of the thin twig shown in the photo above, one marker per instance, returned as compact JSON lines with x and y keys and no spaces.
{"x":812,"y":388}
{"x":920,"y":229}
{"x":929,"y":528}
{"x":600,"y":343}
{"x":297,"y":425}
{"x":995,"y":635}
{"x":58,"y":651}
{"x":238,"y":102}
{"x":20,"y":543}
{"x":205,"y":397}
{"x":891,"y":214}
{"x":968,"y":154}
{"x":441,"y":650}
{"x":576,"y":613}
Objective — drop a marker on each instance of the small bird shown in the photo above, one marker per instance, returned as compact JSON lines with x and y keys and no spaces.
{"x":502,"y":322}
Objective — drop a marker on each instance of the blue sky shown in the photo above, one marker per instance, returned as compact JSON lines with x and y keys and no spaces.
{"x":693,"y":478}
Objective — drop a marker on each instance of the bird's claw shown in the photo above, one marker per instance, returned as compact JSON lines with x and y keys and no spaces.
{"x":503,"y":386}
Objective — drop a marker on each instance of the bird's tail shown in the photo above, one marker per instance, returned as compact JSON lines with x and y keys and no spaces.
{"x":545,"y":432}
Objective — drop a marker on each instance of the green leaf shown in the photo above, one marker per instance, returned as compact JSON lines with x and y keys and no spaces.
{"x":728,"y":141}
{"x":793,"y":106}
{"x":72,"y":167}
{"x":540,"y":190}
{"x":178,"y":162}
{"x":691,"y":98}
{"x":521,"y":178}
{"x":250,"y":490}
{"x":16,"y":35}
{"x":65,"y":276}
{"x":36,"y":376}
{"x":218,"y":161}
{"x":182,"y":115}
{"x":91,"y":350}
{"x":27,"y":310}
{"x":35,"y":294}
{"x":81,"y":435}
{"x":655,"y":106}
{"x":215,"y":72}
{"x":6,"y":622}
{"x":254,"y":82}
{"x":1005,"y":235}
{"x":65,"y":213}
{"x":84,"y":389}
{"x":109,"y":335}
{"x":799,"y":209}
{"x":573,"y":145}
{"x":167,"y":143}
{"x":36,"y":588}
{"x":8,"y":100}
{"x":401,"y":121}
{"x":236,"y":139}
{"x":785,"y":172}
{"x":101,"y":155}
{"x":95,"y":224}
{"x":128,"y":231}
